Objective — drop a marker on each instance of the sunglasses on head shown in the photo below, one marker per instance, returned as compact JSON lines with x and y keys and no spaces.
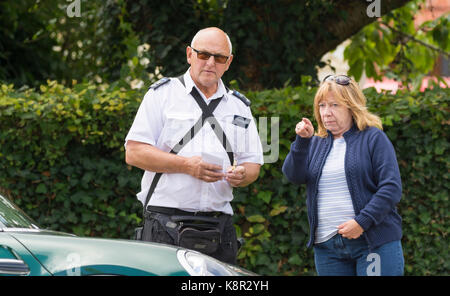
{"x":339,"y":79}
{"x":218,"y":58}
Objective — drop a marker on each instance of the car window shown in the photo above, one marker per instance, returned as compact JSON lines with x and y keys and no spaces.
{"x":13,"y":217}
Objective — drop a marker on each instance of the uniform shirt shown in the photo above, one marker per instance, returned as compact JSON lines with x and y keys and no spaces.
{"x":165,"y":116}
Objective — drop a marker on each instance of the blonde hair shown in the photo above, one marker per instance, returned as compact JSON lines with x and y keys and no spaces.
{"x":350,"y":96}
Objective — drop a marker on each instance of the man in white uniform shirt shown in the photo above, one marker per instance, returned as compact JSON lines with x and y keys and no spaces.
{"x":195,"y":177}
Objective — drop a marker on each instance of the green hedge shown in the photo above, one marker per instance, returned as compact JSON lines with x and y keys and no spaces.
{"x":62,"y":161}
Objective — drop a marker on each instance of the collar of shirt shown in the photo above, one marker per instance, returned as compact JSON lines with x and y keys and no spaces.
{"x":221,"y":90}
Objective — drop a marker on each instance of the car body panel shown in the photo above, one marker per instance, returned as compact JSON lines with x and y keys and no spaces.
{"x":26,"y":249}
{"x":68,"y":255}
{"x":13,"y":249}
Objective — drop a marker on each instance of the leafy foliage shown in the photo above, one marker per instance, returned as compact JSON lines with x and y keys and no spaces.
{"x":271,"y":39}
{"x":68,"y":143}
{"x":39,"y":41}
{"x":275,"y":42}
{"x":25,"y":45}
{"x":62,"y":161}
{"x":393,"y":47}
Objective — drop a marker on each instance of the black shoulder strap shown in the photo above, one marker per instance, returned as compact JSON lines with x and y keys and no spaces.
{"x":207,"y":115}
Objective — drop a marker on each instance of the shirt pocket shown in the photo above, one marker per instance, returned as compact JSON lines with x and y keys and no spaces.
{"x":176,"y":126}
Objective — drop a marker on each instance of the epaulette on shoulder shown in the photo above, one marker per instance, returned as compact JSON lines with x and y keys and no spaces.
{"x":241,"y":97}
{"x":158,"y":83}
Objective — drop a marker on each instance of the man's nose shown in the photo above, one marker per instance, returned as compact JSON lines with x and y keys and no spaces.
{"x":211,"y":61}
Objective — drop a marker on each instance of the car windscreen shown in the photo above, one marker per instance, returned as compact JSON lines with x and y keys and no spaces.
{"x":13,"y":217}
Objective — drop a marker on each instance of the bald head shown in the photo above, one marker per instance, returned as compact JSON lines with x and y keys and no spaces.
{"x":204,"y":70}
{"x":213,"y":33}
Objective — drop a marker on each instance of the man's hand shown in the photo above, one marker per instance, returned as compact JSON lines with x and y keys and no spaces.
{"x":243,"y":174}
{"x":350,"y":229}
{"x":235,"y":175}
{"x":204,"y":171}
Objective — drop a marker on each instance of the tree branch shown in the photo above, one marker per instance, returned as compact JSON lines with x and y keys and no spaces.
{"x":412,"y":38}
{"x":344,"y":27}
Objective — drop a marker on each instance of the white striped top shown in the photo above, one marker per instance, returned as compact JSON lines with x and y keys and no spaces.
{"x":334,"y":204}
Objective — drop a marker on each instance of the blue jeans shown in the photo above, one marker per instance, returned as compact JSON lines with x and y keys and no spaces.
{"x":350,"y":257}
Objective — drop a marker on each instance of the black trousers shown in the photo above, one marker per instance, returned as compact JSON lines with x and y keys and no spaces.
{"x":227,"y":251}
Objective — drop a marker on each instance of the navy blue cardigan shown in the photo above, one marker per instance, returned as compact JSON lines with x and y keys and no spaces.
{"x":373,"y":179}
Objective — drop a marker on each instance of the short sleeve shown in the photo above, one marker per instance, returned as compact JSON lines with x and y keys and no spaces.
{"x":148,"y":123}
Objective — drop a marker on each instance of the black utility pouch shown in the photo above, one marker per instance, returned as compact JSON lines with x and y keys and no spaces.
{"x":198,"y":233}
{"x":205,"y":241}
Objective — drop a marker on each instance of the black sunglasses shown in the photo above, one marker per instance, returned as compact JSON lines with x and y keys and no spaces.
{"x":218,"y":58}
{"x":339,"y":79}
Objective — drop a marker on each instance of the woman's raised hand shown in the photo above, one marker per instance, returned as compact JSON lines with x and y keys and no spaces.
{"x":304,"y":128}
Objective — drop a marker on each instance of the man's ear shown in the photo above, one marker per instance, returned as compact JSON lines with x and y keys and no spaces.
{"x":188,"y":54}
{"x":229,"y":62}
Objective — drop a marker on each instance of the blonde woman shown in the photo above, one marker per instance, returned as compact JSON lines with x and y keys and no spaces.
{"x":353,"y":184}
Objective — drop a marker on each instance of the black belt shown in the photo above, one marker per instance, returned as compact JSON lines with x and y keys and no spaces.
{"x":178,"y":212}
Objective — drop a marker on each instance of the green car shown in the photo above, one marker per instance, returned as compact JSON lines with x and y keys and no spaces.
{"x":26,"y":249}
